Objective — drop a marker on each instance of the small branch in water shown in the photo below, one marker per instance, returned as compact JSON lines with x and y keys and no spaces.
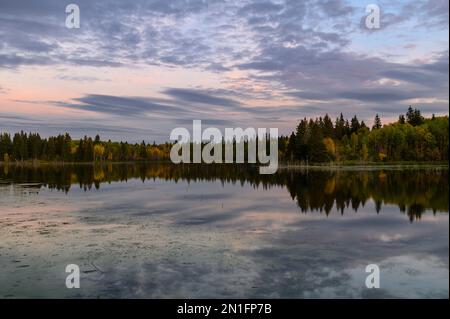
{"x":98,"y":269}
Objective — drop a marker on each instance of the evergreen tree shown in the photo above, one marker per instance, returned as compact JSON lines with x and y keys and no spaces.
{"x":143,"y":151}
{"x":376,"y":123}
{"x":5,"y":145}
{"x":328,"y":128}
{"x":414,"y":117}
{"x":67,"y":148}
{"x":317,"y":151}
{"x":290,"y":151}
{"x":80,"y":148}
{"x":355,"y":126}
{"x":339,"y":127}
{"x":302,"y":137}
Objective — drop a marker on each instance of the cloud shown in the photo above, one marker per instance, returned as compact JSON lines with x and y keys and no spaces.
{"x":117,"y":105}
{"x":433,"y":74}
{"x":197,"y":96}
{"x":433,"y":13}
{"x":353,"y":77}
{"x":13,"y":60}
{"x":182,"y":105}
{"x":334,"y":8}
{"x":78,"y":78}
{"x":80,"y":126}
{"x":153,"y":32}
{"x":206,"y":122}
{"x":261,"y":8}
{"x":378,"y":95}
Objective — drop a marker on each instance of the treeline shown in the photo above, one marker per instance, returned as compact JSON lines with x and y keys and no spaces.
{"x":411,"y":138}
{"x":23,"y":146}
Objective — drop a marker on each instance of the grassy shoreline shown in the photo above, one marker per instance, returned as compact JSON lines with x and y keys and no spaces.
{"x":62,"y":163}
{"x":367,"y":164}
{"x":281,"y":165}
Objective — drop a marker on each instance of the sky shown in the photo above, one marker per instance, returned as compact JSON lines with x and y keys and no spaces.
{"x":137,"y":69}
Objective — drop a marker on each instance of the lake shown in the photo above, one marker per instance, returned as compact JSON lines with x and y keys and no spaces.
{"x":223,"y":231}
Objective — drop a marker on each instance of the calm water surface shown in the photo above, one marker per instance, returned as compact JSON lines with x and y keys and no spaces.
{"x":163,"y":231}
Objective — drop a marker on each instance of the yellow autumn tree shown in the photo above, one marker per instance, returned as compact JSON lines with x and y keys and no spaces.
{"x":330,"y":146}
{"x":99,"y":151}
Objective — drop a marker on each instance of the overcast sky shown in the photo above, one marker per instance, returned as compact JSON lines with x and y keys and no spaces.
{"x":137,"y":69}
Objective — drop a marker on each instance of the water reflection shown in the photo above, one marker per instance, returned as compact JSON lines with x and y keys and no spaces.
{"x":412,"y":190}
{"x":222,"y":232}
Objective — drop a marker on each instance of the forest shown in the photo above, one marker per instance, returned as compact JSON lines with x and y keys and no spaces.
{"x":413,"y":138}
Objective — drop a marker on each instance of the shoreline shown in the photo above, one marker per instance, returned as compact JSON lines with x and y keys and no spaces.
{"x":405,"y":164}
{"x":281,"y":166}
{"x":356,"y":167}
